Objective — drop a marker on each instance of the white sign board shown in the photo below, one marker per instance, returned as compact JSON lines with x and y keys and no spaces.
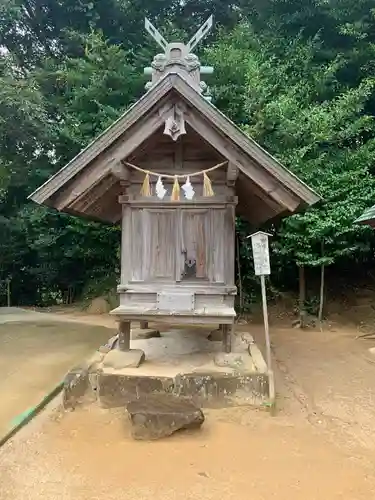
{"x":175,"y":302}
{"x":261,"y":254}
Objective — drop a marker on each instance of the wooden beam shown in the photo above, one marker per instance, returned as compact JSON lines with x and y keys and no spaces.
{"x":108,"y":161}
{"x":227,"y":337}
{"x":256,"y":207}
{"x":104,"y":141}
{"x":107,"y":207}
{"x":258,"y":175}
{"x":232,"y":174}
{"x":183,"y":204}
{"x":254,"y":213}
{"x":76,"y":189}
{"x":178,"y":156}
{"x":245,"y":143}
{"x":84,"y":203}
{"x":245,"y":185}
{"x":135,"y":137}
{"x":120,"y":171}
{"x":124,"y":335}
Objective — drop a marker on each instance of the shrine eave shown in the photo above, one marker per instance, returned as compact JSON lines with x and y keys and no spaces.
{"x":97,"y":168}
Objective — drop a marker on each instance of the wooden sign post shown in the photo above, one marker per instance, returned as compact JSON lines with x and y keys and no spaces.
{"x":261,"y":256}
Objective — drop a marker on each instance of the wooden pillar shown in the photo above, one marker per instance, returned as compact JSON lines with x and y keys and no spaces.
{"x":227,"y":337}
{"x":124,"y":335}
{"x":144,"y":325}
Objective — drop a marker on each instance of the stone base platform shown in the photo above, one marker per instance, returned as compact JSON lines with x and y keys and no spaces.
{"x":208,"y":390}
{"x":184,"y":363}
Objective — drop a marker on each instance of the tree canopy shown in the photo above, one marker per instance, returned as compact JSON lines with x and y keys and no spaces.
{"x":296,"y":76}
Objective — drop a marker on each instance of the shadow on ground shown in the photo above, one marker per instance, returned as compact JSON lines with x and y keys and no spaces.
{"x":35,"y":354}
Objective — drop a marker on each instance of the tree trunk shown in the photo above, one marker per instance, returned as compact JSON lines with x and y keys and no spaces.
{"x":321,"y":297}
{"x":302,"y":297}
{"x":8,"y":293}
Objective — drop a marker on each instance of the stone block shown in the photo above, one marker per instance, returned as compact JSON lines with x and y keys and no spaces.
{"x":257,"y":357}
{"x":95,"y":360}
{"x":158,"y":416}
{"x":111,"y":344}
{"x":116,"y":390}
{"x":218,"y":389}
{"x":76,"y":384}
{"x":104,"y":349}
{"x":118,"y":360}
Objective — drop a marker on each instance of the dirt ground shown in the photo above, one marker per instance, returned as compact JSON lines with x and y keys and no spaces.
{"x":239,"y":454}
{"x":320,"y":444}
{"x":35,"y":354}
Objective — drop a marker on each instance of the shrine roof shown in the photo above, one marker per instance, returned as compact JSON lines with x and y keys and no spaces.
{"x":367,"y":217}
{"x":259,"y":172}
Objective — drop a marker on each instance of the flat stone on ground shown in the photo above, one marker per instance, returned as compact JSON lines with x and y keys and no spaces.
{"x":111,"y":344}
{"x":123,"y":359}
{"x":160,"y":415}
{"x":236,"y":360}
{"x":104,"y":349}
{"x":144,"y":333}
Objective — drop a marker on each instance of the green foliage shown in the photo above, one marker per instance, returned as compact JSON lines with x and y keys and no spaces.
{"x":298,"y":108}
{"x":296,"y":76}
{"x":86,"y":94}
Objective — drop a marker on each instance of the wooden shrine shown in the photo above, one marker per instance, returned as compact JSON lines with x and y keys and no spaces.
{"x":175,"y":171}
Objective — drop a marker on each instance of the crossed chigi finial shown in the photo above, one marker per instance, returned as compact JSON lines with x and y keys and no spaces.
{"x":179,"y":55}
{"x":160,"y":40}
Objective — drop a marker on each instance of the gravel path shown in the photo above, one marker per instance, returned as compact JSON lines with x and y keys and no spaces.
{"x":320,"y":445}
{"x":239,"y":454}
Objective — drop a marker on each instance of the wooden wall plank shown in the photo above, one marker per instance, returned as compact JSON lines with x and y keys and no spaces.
{"x":126,"y":247}
{"x":229,"y":245}
{"x":163,"y":232}
{"x":136,"y":256}
{"x":219,"y":244}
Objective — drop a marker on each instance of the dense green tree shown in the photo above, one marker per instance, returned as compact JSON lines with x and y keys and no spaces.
{"x":296,"y":76}
{"x":35,"y":29}
{"x":68,"y":104}
{"x":298,"y":109}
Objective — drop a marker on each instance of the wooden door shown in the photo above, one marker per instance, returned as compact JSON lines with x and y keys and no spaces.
{"x":195,"y":244}
{"x":181,"y":244}
{"x":161,"y":233}
{"x":153,"y":244}
{"x":207,"y":241}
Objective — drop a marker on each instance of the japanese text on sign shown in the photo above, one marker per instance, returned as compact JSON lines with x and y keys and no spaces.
{"x":261,"y":256}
